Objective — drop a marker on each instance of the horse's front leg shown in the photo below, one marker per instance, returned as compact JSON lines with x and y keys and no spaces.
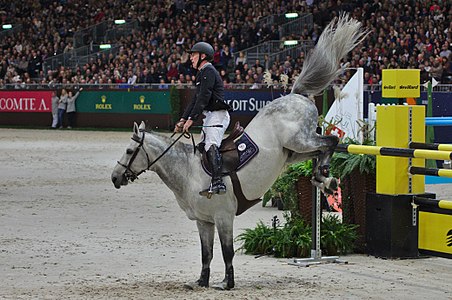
{"x":319,"y":146}
{"x":321,"y":174}
{"x":206,"y":233}
{"x":225,"y":232}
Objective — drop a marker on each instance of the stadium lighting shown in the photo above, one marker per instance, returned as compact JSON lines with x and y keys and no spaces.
{"x":105,"y":46}
{"x":291,"y":15}
{"x":290,"y":42}
{"x":120,"y":22}
{"x":7,"y":26}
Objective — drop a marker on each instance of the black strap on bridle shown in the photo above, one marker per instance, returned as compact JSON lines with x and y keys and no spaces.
{"x":132,"y":175}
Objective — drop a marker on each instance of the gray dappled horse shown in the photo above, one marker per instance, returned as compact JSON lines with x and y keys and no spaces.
{"x":285,"y":132}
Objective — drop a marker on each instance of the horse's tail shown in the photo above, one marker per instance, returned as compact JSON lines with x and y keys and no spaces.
{"x":321,"y":66}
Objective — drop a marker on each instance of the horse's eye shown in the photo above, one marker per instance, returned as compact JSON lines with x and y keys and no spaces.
{"x":129,"y":151}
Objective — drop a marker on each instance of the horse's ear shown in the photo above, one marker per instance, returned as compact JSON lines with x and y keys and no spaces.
{"x":142,"y":126}
{"x":135,"y":128}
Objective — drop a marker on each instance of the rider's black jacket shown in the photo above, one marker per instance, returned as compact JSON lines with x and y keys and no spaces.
{"x":209,"y":93}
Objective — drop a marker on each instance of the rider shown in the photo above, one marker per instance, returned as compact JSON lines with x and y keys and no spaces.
{"x":208,"y":100}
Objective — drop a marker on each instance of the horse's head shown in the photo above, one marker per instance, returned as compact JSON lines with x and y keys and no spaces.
{"x":134,"y":162}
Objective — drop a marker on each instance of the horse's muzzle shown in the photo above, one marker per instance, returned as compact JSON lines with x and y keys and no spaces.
{"x":119,"y":181}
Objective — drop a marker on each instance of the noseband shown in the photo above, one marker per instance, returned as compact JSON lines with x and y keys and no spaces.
{"x":129,"y":173}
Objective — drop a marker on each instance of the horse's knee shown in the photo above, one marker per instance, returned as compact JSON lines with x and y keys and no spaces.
{"x":334,"y":140}
{"x":324,"y":170}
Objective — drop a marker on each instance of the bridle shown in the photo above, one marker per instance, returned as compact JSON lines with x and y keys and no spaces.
{"x":129,"y":173}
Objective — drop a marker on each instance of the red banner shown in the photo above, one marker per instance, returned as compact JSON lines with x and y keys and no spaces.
{"x":25,"y":101}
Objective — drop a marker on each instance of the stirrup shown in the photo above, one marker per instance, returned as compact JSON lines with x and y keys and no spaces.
{"x":220,"y":189}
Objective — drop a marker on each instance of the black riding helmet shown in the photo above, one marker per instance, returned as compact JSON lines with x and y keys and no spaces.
{"x":203,"y":47}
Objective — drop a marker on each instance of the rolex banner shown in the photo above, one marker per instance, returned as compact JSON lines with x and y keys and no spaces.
{"x":124,"y":102}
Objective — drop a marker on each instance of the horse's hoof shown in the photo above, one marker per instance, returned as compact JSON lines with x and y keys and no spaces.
{"x":190,"y":285}
{"x":332,"y":184}
{"x":193,"y":285}
{"x":222,"y":286}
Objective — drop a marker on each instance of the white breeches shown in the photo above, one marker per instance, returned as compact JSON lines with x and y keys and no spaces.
{"x":214,"y":135}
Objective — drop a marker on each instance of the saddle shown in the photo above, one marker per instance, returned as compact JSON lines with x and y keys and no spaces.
{"x":235,"y":154}
{"x":228,"y":151}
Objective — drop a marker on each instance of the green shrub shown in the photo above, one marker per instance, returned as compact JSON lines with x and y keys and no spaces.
{"x":257,"y":240}
{"x":284,"y":186}
{"x":294,"y":238}
{"x":337,"y":237}
{"x":343,"y":164}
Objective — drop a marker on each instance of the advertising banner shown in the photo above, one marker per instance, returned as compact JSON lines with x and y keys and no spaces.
{"x":400,"y":83}
{"x":249,"y":102}
{"x":124,"y":102}
{"x":25,"y":101}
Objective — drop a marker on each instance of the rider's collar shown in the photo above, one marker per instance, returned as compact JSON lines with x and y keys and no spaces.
{"x":204,"y":65}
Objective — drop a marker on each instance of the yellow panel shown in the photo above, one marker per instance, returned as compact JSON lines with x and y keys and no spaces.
{"x":433,"y":229}
{"x":393,"y":131}
{"x":400,"y":83}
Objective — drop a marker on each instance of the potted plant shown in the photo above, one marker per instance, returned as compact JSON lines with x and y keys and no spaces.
{"x":304,"y":189}
{"x":294,"y":239}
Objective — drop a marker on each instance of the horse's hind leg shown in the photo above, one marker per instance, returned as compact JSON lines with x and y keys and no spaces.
{"x":225,"y":232}
{"x":206,"y":233}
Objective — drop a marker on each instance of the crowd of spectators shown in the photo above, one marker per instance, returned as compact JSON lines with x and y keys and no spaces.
{"x":402,"y":34}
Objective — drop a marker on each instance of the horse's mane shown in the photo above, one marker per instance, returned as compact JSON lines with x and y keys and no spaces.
{"x":168,"y":140}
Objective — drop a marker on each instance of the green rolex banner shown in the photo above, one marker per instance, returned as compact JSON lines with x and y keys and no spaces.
{"x":124,"y":102}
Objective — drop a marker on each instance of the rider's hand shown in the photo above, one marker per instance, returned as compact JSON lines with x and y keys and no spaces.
{"x":187,"y":125}
{"x":179,"y":126}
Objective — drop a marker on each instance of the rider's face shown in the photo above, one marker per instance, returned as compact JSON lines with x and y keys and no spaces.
{"x":194,"y":58}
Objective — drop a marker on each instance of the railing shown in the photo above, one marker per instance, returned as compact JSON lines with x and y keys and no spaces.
{"x":446,"y":88}
{"x":93,"y":34}
{"x":7,"y":32}
{"x":87,"y":44}
{"x":105,"y":32}
{"x":119,"y":31}
{"x":440,"y":88}
{"x":273,"y":20}
{"x":74,"y":58}
{"x":297,"y":26}
{"x":287,"y":26}
{"x":64,"y":59}
{"x":275,"y":50}
{"x":92,"y":57}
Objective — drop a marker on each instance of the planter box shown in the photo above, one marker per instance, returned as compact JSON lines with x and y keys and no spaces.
{"x":354,"y":190}
{"x":304,"y":193}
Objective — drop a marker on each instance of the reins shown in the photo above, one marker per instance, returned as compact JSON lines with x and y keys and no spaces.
{"x":132,"y":175}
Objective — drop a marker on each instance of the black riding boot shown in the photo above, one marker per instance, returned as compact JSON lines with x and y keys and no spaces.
{"x":217,"y":186}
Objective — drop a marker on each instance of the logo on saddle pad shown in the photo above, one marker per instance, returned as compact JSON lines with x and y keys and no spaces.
{"x":235,"y":155}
